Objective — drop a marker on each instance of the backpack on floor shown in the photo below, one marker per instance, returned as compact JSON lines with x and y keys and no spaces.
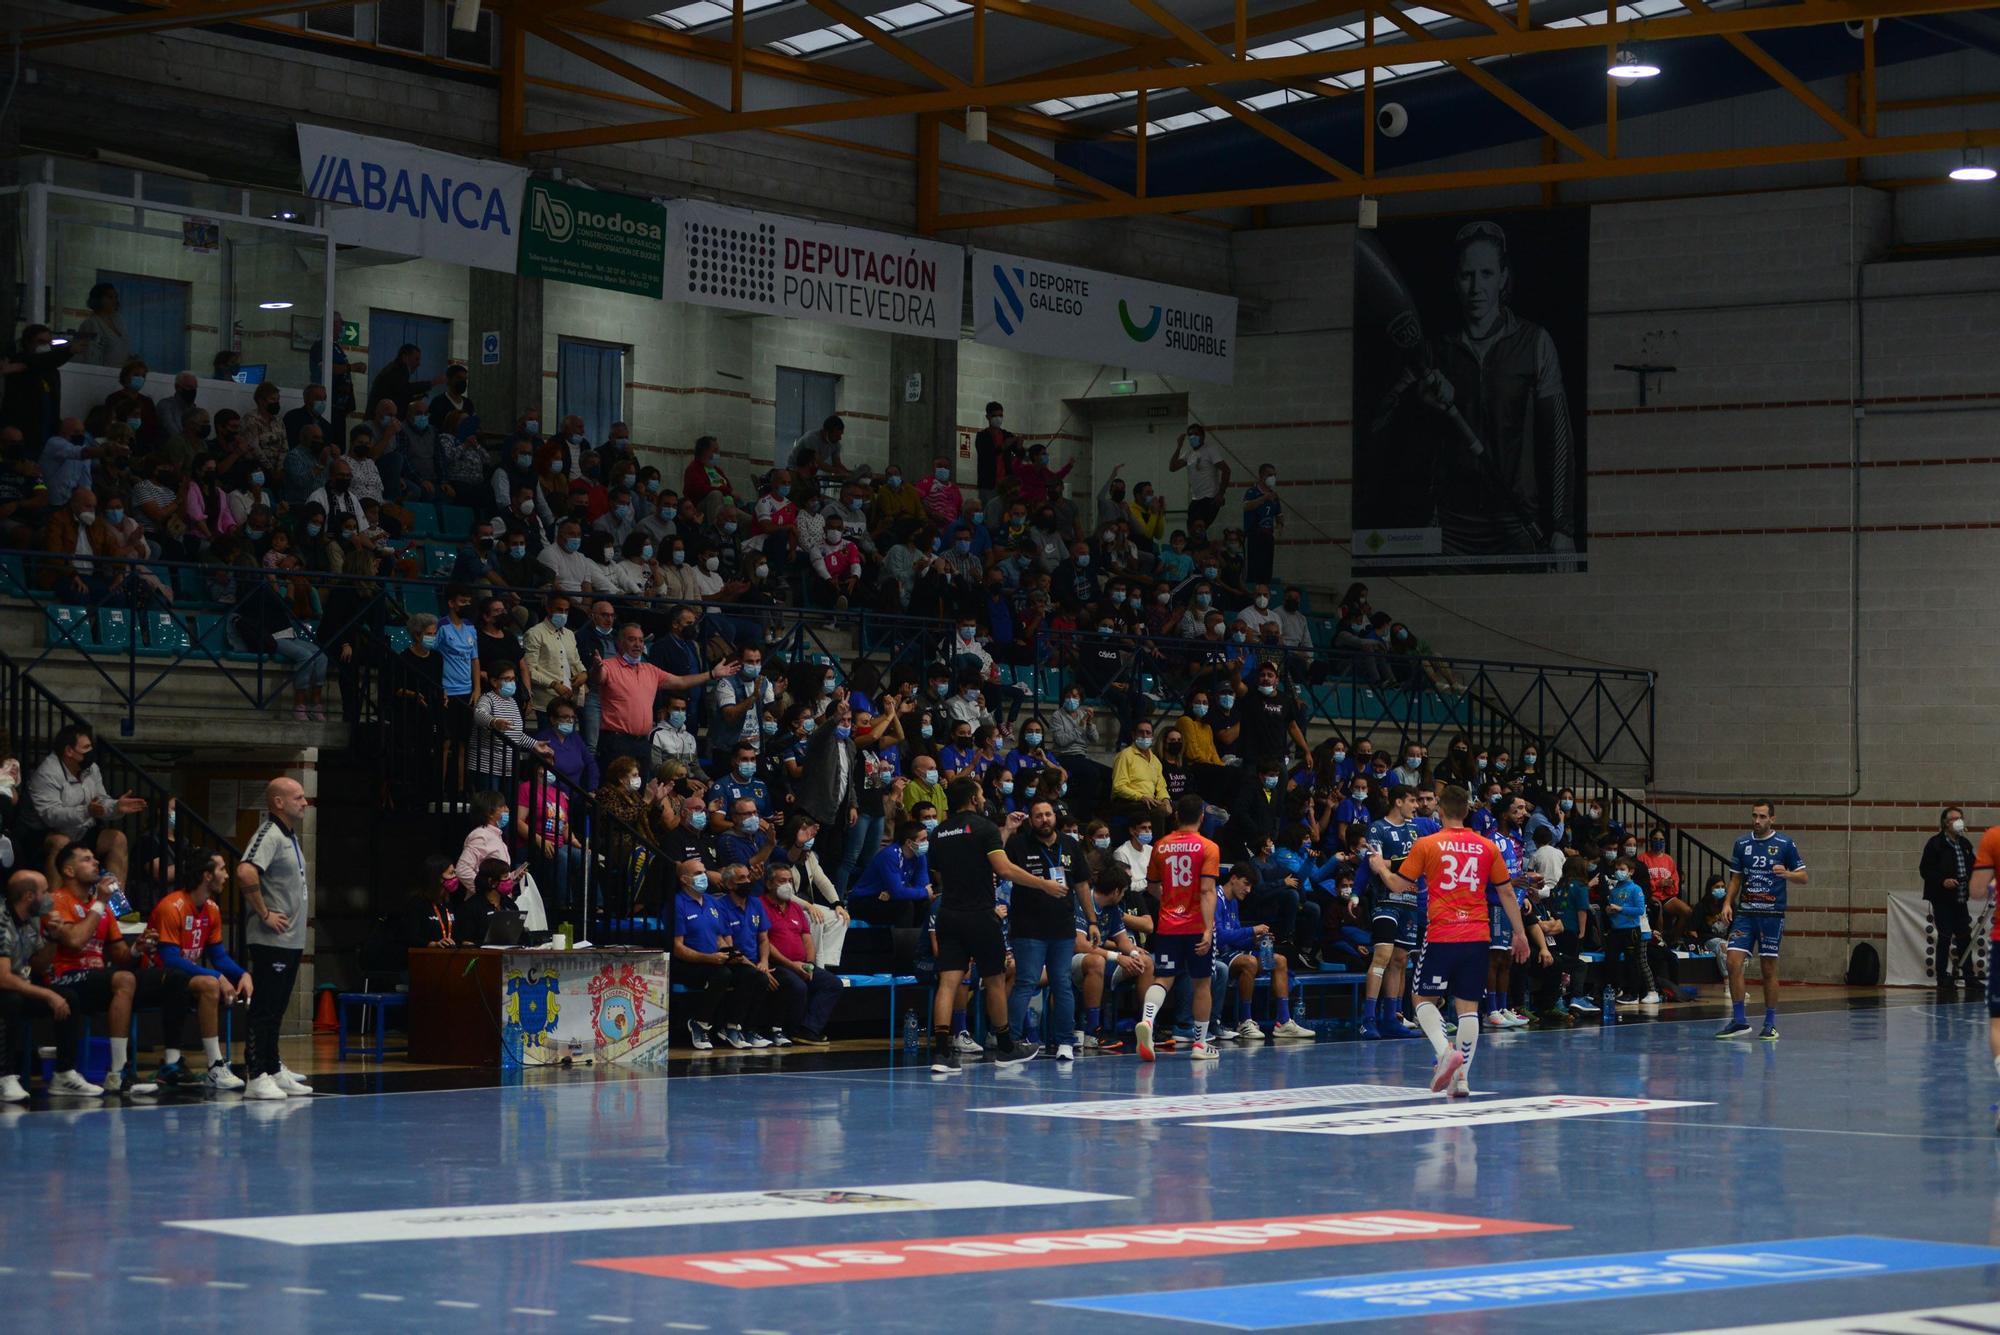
{"x":1864,"y":966}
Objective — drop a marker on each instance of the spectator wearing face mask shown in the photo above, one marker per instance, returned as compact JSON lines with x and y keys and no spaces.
{"x":569,"y":754}
{"x":1661,"y":877}
{"x":895,"y":888}
{"x":1263,"y":521}
{"x":807,"y":993}
{"x":1946,"y":869}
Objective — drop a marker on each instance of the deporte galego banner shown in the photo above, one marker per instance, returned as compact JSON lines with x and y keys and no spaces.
{"x":775,"y":265}
{"x":1107,"y":318}
{"x":389,"y":195}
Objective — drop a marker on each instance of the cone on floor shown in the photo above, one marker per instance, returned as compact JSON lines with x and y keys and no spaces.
{"x":325,"y":1019}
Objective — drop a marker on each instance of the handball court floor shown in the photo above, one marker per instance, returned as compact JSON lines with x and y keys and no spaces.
{"x":1846,"y":1172}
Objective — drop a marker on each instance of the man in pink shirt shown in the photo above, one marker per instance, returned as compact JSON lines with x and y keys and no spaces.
{"x":809,"y":993}
{"x":627,"y":686}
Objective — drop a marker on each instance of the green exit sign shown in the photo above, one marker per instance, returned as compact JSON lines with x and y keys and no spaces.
{"x":1124,"y":387}
{"x":350,"y":334}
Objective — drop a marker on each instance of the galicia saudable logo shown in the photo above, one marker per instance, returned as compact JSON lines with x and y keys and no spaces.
{"x":1008,"y":299}
{"x":1138,"y":333}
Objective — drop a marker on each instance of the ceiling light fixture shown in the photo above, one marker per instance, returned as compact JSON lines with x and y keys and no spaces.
{"x":1972,"y":167}
{"x":274,"y":305}
{"x":975,"y":124}
{"x":1628,"y":67}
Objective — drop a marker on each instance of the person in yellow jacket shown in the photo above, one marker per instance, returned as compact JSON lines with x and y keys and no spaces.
{"x":1138,"y":785}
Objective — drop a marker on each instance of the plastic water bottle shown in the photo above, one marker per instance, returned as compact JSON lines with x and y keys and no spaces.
{"x":909,"y":1033}
{"x":1266,"y":952}
{"x":120,"y":906}
{"x":1608,"y":1003}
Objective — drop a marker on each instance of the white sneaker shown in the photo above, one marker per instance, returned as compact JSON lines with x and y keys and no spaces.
{"x":1249,"y":1032}
{"x":11,"y":1089}
{"x":220,"y":1078}
{"x":965,"y":1042}
{"x":1516,"y":1020}
{"x":1461,"y":1088}
{"x":70,"y":1082}
{"x":698,"y":1036}
{"x":779,"y":1040}
{"x":1088,"y":1043}
{"x":734,"y":1038}
{"x":1065,"y":1053}
{"x":1496,"y":1020}
{"x":755,"y":1039}
{"x":264,"y":1087}
{"x":1205,"y":1052}
{"x":290,"y":1083}
{"x":114,"y":1083}
{"x":1293,"y":1029}
{"x":1650,"y":999}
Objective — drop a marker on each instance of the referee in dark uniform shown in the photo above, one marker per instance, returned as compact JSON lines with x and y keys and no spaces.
{"x":967,"y":853}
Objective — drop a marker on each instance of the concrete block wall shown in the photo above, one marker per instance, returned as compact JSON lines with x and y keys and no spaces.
{"x":1723,"y":539}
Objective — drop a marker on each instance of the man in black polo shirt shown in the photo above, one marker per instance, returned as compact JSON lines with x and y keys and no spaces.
{"x":1042,"y":928}
{"x":1270,"y":721}
{"x":966,"y":854}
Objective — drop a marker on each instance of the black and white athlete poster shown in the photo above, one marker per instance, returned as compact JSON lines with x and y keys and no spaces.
{"x":1469,"y":377}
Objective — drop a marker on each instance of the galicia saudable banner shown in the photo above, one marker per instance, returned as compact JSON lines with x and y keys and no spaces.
{"x":398,"y":197}
{"x":775,"y":265}
{"x":1104,"y":318}
{"x":1469,"y":375}
{"x":578,"y":235}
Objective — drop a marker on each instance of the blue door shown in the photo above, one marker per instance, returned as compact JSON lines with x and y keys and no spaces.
{"x":590,"y":382}
{"x":155,"y":311}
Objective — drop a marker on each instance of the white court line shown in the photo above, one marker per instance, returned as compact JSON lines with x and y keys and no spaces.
{"x":69,"y":1274}
{"x":1815,"y":1130}
{"x":610,"y":1320}
{"x":226,"y":1284}
{"x":536,"y":1311}
{"x":454,"y":1302}
{"x":148,"y":1279}
{"x":304,"y":1292}
{"x":685,"y":1325}
{"x":383,"y":1297}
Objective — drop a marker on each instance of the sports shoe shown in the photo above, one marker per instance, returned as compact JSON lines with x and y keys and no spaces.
{"x":812,"y":1040}
{"x":756,"y":1040}
{"x":697,"y":1038}
{"x":778,"y":1039}
{"x":1204,"y":1052}
{"x":1461,"y":1086}
{"x":11,"y":1089}
{"x":733,"y":1036}
{"x":1020,"y":1053}
{"x":1496,"y":1020}
{"x":174,"y":1073}
{"x":1143,"y":1034}
{"x":114,"y":1083}
{"x":290,"y":1082}
{"x":1515,"y":1019}
{"x":1447,"y":1067}
{"x":1308,"y":960}
{"x":1089,"y":1043}
{"x":1249,"y":1032}
{"x":1293,"y":1029}
{"x":75,"y":1084}
{"x":1368,"y":1030}
{"x":944,"y":1059}
{"x":1769,"y":1033}
{"x":1650,"y":999}
{"x":1065,"y":1053}
{"x":1400,"y":1028}
{"x":263,"y":1087}
{"x":965,"y":1042}
{"x":1734,"y":1029}
{"x":1583,"y":1004}
{"x":220,"y":1077}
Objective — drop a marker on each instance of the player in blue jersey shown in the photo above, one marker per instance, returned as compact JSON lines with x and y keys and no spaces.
{"x":1764,"y":866}
{"x":1508,"y":834}
{"x":1393,"y":915}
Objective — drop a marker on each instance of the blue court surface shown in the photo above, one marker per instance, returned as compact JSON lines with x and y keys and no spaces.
{"x":1847,"y":1171}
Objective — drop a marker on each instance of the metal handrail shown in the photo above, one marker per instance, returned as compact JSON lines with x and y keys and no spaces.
{"x":30,"y":717}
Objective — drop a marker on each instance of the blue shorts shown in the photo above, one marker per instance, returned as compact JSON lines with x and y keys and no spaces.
{"x":1757,"y":934}
{"x":1395,"y":924}
{"x":1500,"y":928}
{"x":1175,"y":955}
{"x":1453,"y":968}
{"x":1993,"y":979}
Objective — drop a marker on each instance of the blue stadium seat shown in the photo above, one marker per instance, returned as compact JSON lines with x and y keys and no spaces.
{"x":14,"y":577}
{"x":166,"y":635}
{"x":69,"y":627}
{"x":420,"y":598}
{"x":114,"y":629}
{"x":455,"y":521}
{"x":438,"y":561}
{"x":211,"y":629}
{"x":399,"y":639}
